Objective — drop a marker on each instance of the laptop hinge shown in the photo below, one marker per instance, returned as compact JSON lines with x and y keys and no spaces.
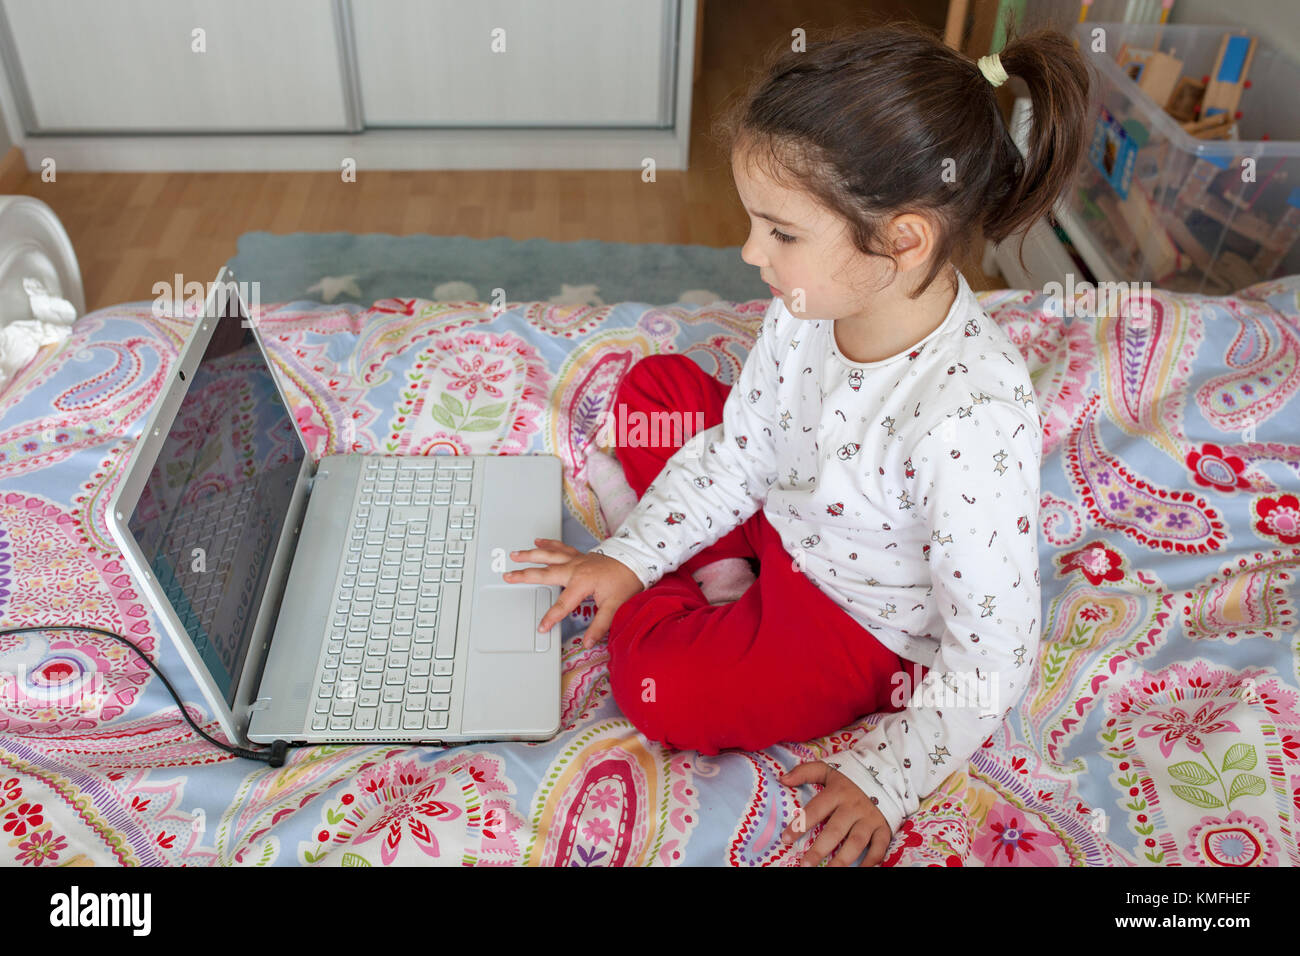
{"x":316,"y":472}
{"x":269,"y":613}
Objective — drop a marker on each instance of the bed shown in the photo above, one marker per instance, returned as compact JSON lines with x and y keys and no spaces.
{"x":1161,"y":729}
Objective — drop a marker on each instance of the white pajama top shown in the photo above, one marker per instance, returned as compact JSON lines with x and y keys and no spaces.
{"x":907,"y":490}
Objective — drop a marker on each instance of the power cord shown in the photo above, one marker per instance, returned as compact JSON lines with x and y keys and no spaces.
{"x":274,"y":756}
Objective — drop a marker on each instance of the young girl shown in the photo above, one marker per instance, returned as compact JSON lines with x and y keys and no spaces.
{"x":883,"y":424}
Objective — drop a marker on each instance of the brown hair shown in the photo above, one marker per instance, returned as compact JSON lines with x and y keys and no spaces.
{"x":863,"y":122}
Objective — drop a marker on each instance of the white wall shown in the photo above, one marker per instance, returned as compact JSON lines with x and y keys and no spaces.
{"x":1276,"y":20}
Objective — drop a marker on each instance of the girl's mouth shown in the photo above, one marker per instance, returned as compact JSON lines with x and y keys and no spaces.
{"x":775,"y":290}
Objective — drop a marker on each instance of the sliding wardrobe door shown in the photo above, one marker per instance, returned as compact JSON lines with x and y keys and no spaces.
{"x":203,"y":66}
{"x":516,"y":63}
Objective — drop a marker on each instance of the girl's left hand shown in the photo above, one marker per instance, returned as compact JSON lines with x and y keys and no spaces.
{"x":853,"y":819}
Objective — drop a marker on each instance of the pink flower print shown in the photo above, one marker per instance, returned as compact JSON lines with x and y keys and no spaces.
{"x":1211,"y":468}
{"x":1238,"y":840}
{"x":1009,"y":833}
{"x":24,"y":817}
{"x":395,"y":306}
{"x":1278,"y":518}
{"x":598,"y":831}
{"x":42,"y":847}
{"x":373,"y":780}
{"x":415,"y":812}
{"x":494,"y":823}
{"x":407,"y":775}
{"x":1097,"y":562}
{"x":310,"y":430}
{"x":1094,"y":612}
{"x":478,"y":774}
{"x":1175,"y":725}
{"x":1271,"y":702}
{"x":1200,"y":682}
{"x":605,"y":798}
{"x":1290,"y":746}
{"x":474,"y":375}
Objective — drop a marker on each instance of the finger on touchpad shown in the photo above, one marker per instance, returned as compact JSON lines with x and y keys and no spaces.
{"x":505,"y":619}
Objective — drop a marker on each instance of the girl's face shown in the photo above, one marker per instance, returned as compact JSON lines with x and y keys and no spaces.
{"x":803,"y":251}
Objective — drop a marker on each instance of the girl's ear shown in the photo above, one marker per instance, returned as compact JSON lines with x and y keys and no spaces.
{"x":914,"y":240}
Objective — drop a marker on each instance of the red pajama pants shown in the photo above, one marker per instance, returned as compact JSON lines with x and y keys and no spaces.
{"x":782,"y":663}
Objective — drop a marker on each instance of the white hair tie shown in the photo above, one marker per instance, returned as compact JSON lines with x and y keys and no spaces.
{"x":991,"y":67}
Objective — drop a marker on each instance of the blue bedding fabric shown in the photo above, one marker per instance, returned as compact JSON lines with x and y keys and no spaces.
{"x":1161,"y":727}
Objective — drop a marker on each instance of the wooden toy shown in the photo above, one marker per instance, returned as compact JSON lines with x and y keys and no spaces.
{"x":1228,"y":78}
{"x":1189,"y":245}
{"x":1221,"y":131}
{"x":1161,"y":254}
{"x":1185,"y":100}
{"x":1114,"y":147}
{"x":1234,"y":191}
{"x":1219,"y":232}
{"x":1195,"y":187}
{"x":1243,"y":223}
{"x":1212,"y":127}
{"x":1281,"y":239}
{"x":1166,"y":171}
{"x":1155,"y":73}
{"x":1110,"y":210}
{"x":1235,"y":271}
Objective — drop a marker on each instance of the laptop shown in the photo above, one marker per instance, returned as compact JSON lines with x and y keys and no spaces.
{"x":348,"y":599}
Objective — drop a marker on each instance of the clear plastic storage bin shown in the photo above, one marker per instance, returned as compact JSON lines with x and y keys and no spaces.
{"x":1161,"y":205}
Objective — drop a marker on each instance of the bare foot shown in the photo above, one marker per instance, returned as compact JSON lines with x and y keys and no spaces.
{"x":725,"y":580}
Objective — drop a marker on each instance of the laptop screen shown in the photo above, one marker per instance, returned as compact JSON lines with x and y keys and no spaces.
{"x":214,"y":505}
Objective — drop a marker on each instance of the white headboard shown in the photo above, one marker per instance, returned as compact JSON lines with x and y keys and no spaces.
{"x":34,"y":244}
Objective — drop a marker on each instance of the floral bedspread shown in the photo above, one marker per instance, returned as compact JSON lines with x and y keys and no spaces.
{"x":1161,"y":727}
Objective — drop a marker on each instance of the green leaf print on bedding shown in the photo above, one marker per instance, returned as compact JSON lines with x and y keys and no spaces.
{"x":1239,"y":757}
{"x":452,"y":413}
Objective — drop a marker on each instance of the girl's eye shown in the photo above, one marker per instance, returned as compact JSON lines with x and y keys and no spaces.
{"x":781,"y":236}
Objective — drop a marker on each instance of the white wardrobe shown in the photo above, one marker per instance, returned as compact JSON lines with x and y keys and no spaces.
{"x":308,"y":84}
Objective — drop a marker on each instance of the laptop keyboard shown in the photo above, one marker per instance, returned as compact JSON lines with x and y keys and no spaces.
{"x":390,"y":653}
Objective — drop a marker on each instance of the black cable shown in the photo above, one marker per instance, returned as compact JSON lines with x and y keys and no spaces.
{"x":275,"y":755}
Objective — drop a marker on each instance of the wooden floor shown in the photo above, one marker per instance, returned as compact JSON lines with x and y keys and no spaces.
{"x":131,"y":230}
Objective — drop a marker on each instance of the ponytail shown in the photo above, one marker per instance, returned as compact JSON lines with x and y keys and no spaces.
{"x":1057,"y":80}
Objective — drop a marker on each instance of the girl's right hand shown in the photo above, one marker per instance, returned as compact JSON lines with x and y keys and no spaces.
{"x":609,"y":581}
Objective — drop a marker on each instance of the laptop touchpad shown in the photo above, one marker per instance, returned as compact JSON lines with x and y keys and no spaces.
{"x":506,"y":618}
